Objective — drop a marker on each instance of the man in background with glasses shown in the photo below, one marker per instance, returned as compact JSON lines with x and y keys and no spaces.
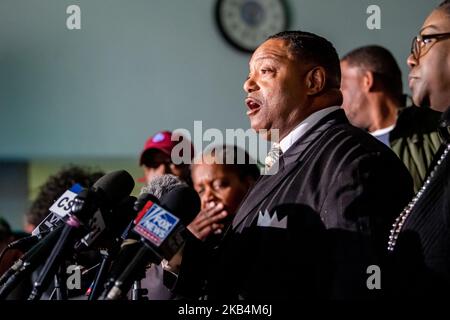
{"x":420,"y":237}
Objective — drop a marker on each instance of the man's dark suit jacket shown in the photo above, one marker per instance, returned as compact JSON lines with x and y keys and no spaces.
{"x":312,"y":229}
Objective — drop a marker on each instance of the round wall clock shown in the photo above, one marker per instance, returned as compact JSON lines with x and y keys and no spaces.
{"x":245,"y":24}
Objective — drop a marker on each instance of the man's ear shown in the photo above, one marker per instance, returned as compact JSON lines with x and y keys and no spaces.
{"x":315,"y":80}
{"x":368,"y":81}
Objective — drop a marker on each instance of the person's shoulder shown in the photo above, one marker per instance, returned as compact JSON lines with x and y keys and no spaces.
{"x":417,"y":120}
{"x":358,"y":139}
{"x":413,"y":112}
{"x":339,"y":139}
{"x":354,"y":147}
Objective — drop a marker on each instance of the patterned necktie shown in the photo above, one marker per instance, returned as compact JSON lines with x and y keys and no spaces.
{"x":273,"y":156}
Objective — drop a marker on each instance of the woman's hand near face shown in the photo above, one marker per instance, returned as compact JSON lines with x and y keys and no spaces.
{"x":208,"y":221}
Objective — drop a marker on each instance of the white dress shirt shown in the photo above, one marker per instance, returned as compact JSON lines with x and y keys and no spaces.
{"x":304,"y":126}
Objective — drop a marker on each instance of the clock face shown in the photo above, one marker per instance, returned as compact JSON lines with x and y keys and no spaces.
{"x":247,"y":23}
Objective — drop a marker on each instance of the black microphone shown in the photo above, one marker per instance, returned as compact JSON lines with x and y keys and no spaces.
{"x":161,"y":232}
{"x":150,"y":194}
{"x":106,"y":193}
{"x":140,"y":206}
{"x":26,"y":242}
{"x":115,"y":252}
{"x":107,"y":239}
{"x":163,"y":228}
{"x":27,"y":263}
{"x":131,"y":244}
{"x":107,"y":229}
{"x":59,"y":212}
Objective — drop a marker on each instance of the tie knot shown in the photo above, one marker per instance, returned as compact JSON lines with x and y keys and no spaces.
{"x":273,"y":156}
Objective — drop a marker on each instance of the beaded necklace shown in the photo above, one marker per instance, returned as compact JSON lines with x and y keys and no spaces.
{"x":400,"y":221}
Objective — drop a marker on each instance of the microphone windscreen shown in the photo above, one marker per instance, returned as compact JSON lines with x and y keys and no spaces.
{"x":142,"y":201}
{"x":161,"y":185}
{"x":115,"y":186}
{"x":182,"y":201}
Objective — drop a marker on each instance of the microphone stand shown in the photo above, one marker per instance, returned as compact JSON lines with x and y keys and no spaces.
{"x":53,"y":262}
{"x":125,"y":281}
{"x":81,"y":210}
{"x":100,"y":276}
{"x":60,"y":285}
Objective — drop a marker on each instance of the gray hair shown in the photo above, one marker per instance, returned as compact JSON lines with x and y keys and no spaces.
{"x":161,"y":185}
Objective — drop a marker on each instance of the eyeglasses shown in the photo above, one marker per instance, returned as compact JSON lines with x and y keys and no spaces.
{"x":422,"y":44}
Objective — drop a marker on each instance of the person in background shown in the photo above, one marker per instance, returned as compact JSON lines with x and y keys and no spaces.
{"x":221,"y":182}
{"x":221,"y":185}
{"x":156,"y":158}
{"x":373,"y":100}
{"x":420,"y":237}
{"x":53,"y":188}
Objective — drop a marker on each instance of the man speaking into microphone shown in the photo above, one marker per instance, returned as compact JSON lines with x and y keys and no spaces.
{"x":313,"y":225}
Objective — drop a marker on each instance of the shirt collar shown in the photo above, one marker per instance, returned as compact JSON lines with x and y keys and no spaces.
{"x":304,"y":126}
{"x":380,"y":132}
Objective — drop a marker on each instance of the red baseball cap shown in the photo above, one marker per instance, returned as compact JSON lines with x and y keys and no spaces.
{"x":159,"y":141}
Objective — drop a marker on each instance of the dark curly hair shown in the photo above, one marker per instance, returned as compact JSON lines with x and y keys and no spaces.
{"x":56,"y":185}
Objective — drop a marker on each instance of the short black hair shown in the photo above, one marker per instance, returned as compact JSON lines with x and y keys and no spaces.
{"x":248,"y":168}
{"x":382,"y":64}
{"x":445,"y":5}
{"x":55,"y":186}
{"x":316,"y":49}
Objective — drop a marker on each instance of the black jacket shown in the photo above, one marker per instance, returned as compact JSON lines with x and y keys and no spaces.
{"x":422,"y":253}
{"x":312,"y":229}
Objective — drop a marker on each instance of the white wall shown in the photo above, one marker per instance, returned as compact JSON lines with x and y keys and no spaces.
{"x":138,"y":66}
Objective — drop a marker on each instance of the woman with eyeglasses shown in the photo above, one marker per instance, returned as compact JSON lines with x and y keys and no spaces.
{"x":420,"y":237}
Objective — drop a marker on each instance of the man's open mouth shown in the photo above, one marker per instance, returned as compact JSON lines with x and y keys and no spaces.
{"x":252,"y":105}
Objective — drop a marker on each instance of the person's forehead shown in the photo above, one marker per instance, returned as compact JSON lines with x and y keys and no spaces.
{"x":207,"y":171}
{"x":438,"y":20}
{"x":348,"y":69}
{"x":277,"y":49}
